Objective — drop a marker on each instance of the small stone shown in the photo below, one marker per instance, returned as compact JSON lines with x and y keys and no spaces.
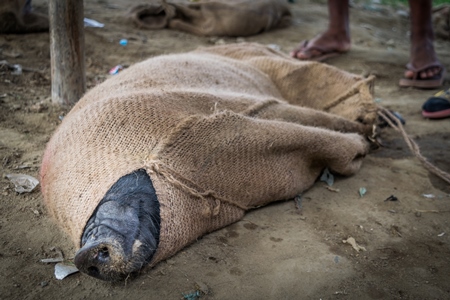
{"x":213,"y":39}
{"x":38,"y":107}
{"x":202,"y":287}
{"x":274,"y":47}
{"x":391,"y":42}
{"x":220,"y":42}
{"x":418,"y":214}
{"x":402,"y":13}
{"x":44,"y":283}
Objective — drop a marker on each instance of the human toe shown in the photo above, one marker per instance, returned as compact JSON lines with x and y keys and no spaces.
{"x":409,"y":74}
{"x":309,"y":54}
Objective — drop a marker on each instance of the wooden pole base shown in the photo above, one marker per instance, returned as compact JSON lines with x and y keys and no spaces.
{"x":67,"y":51}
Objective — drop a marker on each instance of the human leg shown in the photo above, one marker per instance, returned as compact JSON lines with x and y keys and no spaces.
{"x":424,"y":69}
{"x":334,"y":41}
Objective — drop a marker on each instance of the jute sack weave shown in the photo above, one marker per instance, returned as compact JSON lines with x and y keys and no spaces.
{"x":213,"y":17}
{"x":219,"y":131}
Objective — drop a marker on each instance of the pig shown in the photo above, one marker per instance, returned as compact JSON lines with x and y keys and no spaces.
{"x":180,"y":145}
{"x":123,"y":233}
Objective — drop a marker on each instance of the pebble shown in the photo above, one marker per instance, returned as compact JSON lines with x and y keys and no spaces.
{"x":202,"y":287}
{"x":38,"y":107}
{"x":220,"y":42}
{"x":391,"y":42}
{"x":402,"y":13}
{"x":274,"y":47}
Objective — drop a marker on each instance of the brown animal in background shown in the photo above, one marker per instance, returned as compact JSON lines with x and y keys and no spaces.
{"x":214,"y":18}
{"x":16,"y":16}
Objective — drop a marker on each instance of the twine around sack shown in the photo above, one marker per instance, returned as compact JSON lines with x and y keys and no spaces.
{"x":181,"y":182}
{"x":412,"y":145}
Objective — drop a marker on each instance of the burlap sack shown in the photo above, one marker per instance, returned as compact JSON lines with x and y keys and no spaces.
{"x":219,"y":130}
{"x":213,"y":18}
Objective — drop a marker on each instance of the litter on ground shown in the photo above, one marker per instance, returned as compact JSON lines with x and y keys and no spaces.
{"x":353,"y":243}
{"x":23,"y":183}
{"x":327,"y":177}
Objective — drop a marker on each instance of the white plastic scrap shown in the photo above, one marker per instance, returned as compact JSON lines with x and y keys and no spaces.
{"x":23,"y":183}
{"x":17,"y":69}
{"x":327,"y":177}
{"x":429,"y":196}
{"x":63,"y":270}
{"x":353,"y":243}
{"x":52,"y":260}
{"x":362,"y":191}
{"x":92,"y":23}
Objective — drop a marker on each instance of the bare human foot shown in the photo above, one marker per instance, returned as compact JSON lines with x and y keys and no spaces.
{"x":334,"y":41}
{"x":423,"y":58}
{"x":424,"y":64}
{"x":322,"y":46}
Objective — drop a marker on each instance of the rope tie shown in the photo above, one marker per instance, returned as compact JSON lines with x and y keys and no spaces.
{"x":185,"y":184}
{"x":388,"y":117}
{"x":355,"y":89}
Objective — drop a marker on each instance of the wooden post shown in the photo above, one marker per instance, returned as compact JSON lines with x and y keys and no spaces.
{"x":67,"y":51}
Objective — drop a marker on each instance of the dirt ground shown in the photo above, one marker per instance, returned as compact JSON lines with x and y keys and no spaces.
{"x":275,"y":252}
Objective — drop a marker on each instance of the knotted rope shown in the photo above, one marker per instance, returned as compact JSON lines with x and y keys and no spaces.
{"x":390,"y":119}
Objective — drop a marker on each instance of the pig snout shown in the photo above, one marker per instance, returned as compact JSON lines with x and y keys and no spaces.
{"x":122,"y":235}
{"x":102,"y":260}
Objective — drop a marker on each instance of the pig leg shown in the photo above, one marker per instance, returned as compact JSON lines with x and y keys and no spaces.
{"x":310,"y":117}
{"x":123,"y":233}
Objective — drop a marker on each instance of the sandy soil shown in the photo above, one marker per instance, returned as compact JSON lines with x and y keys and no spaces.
{"x":276,"y":252}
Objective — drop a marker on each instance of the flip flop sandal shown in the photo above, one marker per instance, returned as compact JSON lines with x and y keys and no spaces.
{"x":428,"y":83}
{"x":322,"y":57}
{"x":437,"y":107}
